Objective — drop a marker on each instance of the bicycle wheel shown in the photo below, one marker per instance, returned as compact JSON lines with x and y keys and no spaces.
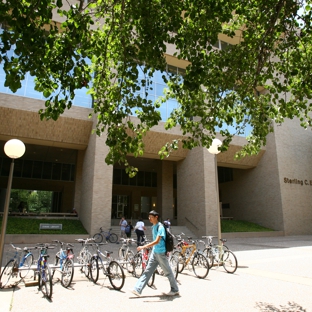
{"x":129,"y":261}
{"x":116,"y":275}
{"x":29,"y":260}
{"x":67,"y":272}
{"x":94,"y":269}
{"x":200,"y":265}
{"x":137,"y":265}
{"x":151,"y":281}
{"x":209,"y":255}
{"x":181,"y":261}
{"x":7,"y":273}
{"x":174,"y":264}
{"x":45,"y":280}
{"x":113,"y":238}
{"x":98,"y":238}
{"x":229,"y":261}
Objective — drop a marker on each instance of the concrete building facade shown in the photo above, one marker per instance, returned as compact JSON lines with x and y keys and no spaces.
{"x":273,"y":189}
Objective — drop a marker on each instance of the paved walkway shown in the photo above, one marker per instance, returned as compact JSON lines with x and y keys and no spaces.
{"x":274,"y":274}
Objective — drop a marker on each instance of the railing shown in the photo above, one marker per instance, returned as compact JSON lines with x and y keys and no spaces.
{"x":191,"y":223}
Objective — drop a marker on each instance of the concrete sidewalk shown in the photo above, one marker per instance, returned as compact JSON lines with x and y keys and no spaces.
{"x":274,"y":274}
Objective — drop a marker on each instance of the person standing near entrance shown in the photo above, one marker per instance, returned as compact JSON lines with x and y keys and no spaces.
{"x":139,"y":230}
{"x":129,"y":229}
{"x":123,"y":223}
{"x":157,"y":257}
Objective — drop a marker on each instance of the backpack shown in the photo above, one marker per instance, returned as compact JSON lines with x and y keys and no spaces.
{"x":169,"y":240}
{"x":128,"y":229}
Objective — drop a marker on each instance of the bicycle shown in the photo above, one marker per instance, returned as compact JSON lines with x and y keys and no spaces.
{"x":140,"y":261}
{"x":174,"y":264}
{"x":64,"y":260}
{"x":190,"y":254}
{"x":221,"y":255}
{"x":44,"y":270}
{"x":111,"y":237}
{"x":210,"y":249}
{"x":110,"y":268}
{"x":84,"y":255}
{"x":14,"y":265}
{"x":125,"y":255}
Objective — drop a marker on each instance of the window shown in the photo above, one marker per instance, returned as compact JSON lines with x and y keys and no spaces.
{"x":30,"y":169}
{"x":221,"y":45}
{"x":143,"y":178}
{"x":158,"y":86}
{"x":225,"y":174}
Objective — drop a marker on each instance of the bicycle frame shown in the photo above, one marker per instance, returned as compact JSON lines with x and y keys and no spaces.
{"x":65,"y":254}
{"x":42,"y":261}
{"x":145,"y":255}
{"x":44,"y":271}
{"x":105,"y":234}
{"x":193,"y":249}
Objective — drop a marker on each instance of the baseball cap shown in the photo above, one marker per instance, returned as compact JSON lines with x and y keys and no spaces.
{"x":153,"y":213}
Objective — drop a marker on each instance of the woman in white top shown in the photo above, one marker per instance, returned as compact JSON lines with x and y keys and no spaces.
{"x":139,"y":230}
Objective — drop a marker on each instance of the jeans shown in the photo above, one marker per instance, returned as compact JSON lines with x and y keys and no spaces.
{"x":155,"y":260}
{"x":140,"y":238}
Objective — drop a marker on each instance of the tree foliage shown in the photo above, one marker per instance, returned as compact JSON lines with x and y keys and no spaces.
{"x":99,"y":44}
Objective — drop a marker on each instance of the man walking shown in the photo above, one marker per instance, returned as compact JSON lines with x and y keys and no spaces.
{"x":157,"y":257}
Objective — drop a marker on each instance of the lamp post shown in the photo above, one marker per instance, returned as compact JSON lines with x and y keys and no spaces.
{"x":213,"y":149}
{"x":14,"y":149}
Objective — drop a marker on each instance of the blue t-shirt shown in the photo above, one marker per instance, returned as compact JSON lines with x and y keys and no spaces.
{"x":159,"y":230}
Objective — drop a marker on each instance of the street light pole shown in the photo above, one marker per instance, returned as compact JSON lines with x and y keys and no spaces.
{"x":213,"y":149}
{"x":13,"y":149}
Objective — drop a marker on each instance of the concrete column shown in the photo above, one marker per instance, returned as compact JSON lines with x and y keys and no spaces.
{"x":196,"y":193}
{"x":165,"y":190}
{"x":94,"y":186}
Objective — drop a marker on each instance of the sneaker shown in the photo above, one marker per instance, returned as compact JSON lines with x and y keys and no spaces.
{"x":135,"y":293}
{"x":171,"y":293}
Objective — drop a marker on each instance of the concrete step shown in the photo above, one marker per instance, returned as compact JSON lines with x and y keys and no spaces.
{"x":174,"y":230}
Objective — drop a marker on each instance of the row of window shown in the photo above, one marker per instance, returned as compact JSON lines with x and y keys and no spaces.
{"x":31,"y":169}
{"x":142,"y":178}
{"x":155,"y":90}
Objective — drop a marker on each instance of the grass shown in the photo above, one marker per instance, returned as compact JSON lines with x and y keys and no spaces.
{"x":230,"y":226}
{"x":31,"y":226}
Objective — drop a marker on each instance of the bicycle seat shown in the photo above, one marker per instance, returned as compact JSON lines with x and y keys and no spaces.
{"x":223,"y":240}
{"x":108,"y":253}
{"x":29,"y":248}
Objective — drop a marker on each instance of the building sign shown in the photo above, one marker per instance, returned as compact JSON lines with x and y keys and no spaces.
{"x":50,"y":226}
{"x":296,"y":181}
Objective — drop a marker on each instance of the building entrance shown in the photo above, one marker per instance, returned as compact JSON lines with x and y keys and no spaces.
{"x":120,"y":206}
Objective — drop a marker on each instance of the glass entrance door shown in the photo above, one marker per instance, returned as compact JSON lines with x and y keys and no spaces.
{"x":120,"y":206}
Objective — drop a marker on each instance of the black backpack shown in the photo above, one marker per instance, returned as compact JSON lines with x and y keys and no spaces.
{"x":169,"y":240}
